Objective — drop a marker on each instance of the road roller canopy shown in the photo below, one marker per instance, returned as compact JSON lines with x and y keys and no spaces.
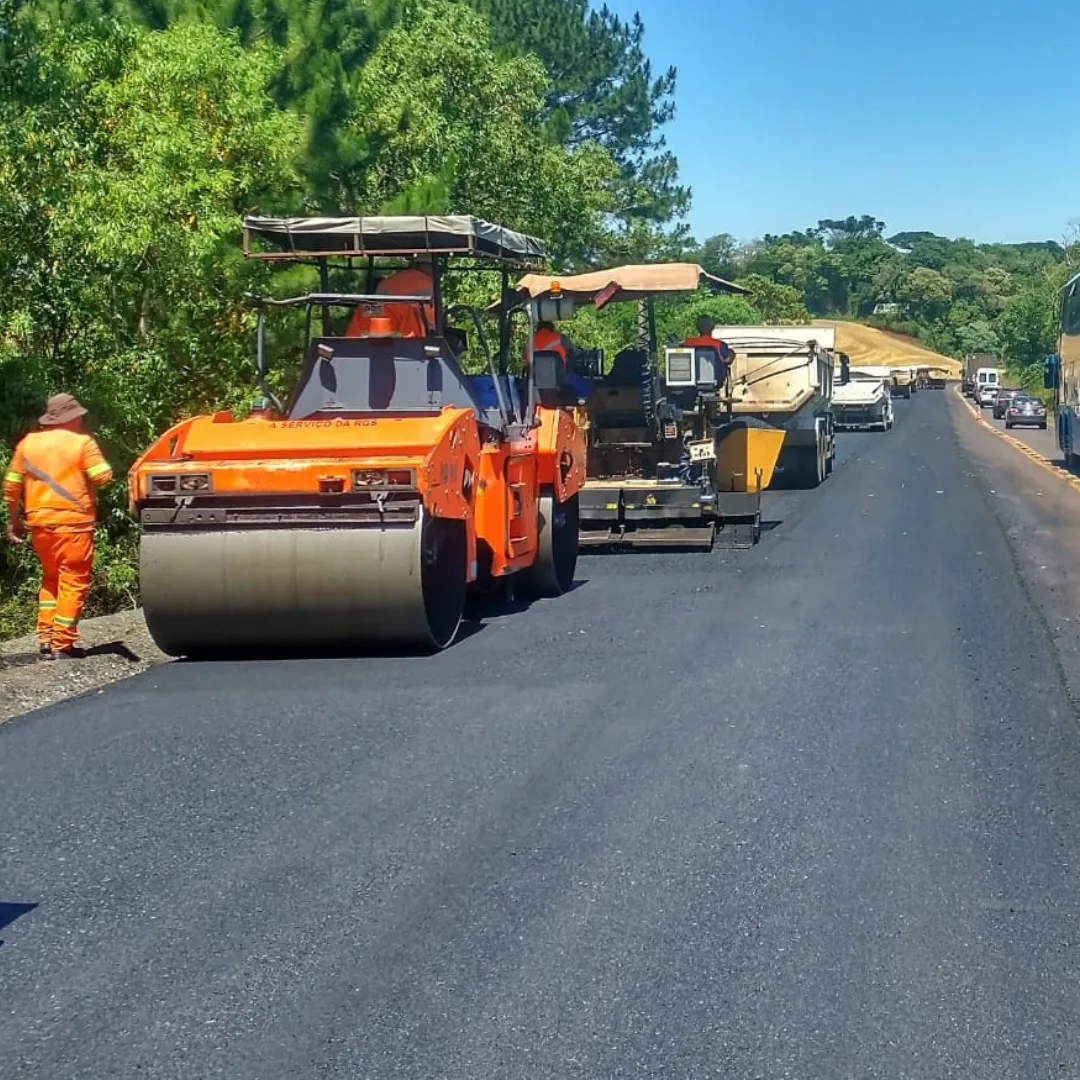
{"x":400,"y":235}
{"x":631,"y":282}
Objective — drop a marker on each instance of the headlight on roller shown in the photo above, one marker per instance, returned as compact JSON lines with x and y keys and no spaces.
{"x":180,"y":484}
{"x":365,"y":479}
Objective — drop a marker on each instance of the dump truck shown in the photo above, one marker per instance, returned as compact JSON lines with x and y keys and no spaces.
{"x":902,"y":382}
{"x":668,"y":465}
{"x":864,"y":401}
{"x":365,"y":506}
{"x":782,"y":377}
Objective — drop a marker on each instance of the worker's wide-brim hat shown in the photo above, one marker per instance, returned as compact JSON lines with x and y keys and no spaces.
{"x":61,"y":409}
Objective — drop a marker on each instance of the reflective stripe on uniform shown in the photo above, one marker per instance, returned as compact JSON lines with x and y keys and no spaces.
{"x":46,"y":479}
{"x":45,"y":604}
{"x":97,"y":470}
{"x":63,"y":620}
{"x":13,"y":478}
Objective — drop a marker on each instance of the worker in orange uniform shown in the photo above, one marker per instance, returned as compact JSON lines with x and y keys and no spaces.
{"x":548,"y":339}
{"x":406,"y":320}
{"x":705,"y":340}
{"x":53,"y":473}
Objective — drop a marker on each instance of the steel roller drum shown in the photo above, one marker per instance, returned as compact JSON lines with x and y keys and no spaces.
{"x":211,"y":591}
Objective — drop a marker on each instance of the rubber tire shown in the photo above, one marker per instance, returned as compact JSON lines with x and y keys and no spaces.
{"x":552,"y":572}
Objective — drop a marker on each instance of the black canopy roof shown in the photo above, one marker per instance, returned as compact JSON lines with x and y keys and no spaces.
{"x":306,"y":237}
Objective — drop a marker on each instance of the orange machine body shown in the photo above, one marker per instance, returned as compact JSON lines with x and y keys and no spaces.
{"x":457,"y":467}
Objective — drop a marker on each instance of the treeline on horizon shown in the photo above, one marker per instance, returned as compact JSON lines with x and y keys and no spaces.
{"x":134,"y":134}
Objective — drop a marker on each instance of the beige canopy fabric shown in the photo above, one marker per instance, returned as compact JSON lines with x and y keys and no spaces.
{"x":629,"y":282}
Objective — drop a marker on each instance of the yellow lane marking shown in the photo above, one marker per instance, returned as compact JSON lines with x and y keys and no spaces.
{"x":1033,"y":455}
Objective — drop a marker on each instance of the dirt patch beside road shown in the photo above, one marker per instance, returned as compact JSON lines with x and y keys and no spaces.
{"x":117,"y":647}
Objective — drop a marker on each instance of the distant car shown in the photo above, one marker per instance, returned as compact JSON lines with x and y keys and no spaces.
{"x":1001,"y":402}
{"x":985,"y":395}
{"x":1027,"y":411}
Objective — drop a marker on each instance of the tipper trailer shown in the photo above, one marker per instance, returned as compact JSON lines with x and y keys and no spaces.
{"x":864,"y":401}
{"x":782,"y":378}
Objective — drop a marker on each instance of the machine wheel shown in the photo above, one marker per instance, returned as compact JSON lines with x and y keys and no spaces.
{"x":442,"y":577}
{"x":552,"y":573}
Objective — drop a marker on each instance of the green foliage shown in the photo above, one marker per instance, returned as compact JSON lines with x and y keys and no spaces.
{"x":601,"y":90}
{"x":775,"y":303}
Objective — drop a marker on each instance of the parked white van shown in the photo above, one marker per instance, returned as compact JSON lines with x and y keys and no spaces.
{"x":987,"y":384}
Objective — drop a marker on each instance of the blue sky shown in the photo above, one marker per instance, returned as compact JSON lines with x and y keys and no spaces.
{"x":952,"y":116}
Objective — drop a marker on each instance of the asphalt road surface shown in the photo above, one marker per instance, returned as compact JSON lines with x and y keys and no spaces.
{"x":809,"y":811}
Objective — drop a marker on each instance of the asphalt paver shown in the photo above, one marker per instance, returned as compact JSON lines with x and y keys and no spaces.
{"x":807,"y":811}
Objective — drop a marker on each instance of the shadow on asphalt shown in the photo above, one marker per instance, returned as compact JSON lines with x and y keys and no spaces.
{"x":10,"y":912}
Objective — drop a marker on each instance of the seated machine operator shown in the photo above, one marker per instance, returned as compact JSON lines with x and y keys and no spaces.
{"x":548,"y":339}
{"x":705,"y":340}
{"x":406,"y":320}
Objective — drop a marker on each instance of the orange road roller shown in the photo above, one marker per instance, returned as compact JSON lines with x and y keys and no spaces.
{"x":392,"y":481}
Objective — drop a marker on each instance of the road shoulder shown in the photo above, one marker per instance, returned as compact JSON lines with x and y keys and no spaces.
{"x":1037,"y":505}
{"x":117,"y":647}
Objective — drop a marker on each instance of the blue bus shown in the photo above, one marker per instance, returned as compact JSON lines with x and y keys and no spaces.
{"x":1063,"y":373}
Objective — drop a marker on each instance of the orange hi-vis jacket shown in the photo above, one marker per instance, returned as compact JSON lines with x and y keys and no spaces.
{"x":550,"y":341}
{"x":54,"y":472}
{"x":406,"y":319}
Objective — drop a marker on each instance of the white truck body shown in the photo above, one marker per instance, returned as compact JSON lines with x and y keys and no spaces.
{"x":865,"y":401}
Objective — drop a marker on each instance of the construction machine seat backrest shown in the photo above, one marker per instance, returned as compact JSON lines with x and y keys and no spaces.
{"x":616,"y":401}
{"x":627,"y":369}
{"x":383,"y":375}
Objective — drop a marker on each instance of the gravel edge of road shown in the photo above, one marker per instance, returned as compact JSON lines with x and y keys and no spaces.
{"x":117,"y":647}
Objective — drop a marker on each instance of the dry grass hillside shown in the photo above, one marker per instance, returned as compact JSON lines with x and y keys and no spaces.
{"x":870,"y":346}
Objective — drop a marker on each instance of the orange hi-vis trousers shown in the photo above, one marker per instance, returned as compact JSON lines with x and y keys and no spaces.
{"x":66,"y":561}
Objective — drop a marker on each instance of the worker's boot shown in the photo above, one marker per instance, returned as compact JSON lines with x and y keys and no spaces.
{"x":45,"y":651}
{"x":71,"y":653}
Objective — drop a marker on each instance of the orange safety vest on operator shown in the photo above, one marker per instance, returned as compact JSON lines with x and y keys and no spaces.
{"x":56,"y":472}
{"x":550,"y":341}
{"x":405,"y":319}
{"x":703,"y":342}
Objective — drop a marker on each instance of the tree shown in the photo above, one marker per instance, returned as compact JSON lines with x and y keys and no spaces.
{"x":461,"y":124}
{"x":602,"y":90}
{"x":1027,"y":329}
{"x":775,"y":303}
{"x":927,"y":292}
{"x":978,"y":336}
{"x":718,"y":255}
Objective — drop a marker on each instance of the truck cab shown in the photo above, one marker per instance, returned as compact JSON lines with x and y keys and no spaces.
{"x":987,"y":384}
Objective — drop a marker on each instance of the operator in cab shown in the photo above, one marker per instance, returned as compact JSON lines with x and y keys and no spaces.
{"x":705,"y":340}
{"x":52,"y":477}
{"x":548,"y":339}
{"x":406,"y":320}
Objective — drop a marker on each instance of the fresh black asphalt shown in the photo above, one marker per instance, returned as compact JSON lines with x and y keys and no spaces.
{"x":807,"y":811}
